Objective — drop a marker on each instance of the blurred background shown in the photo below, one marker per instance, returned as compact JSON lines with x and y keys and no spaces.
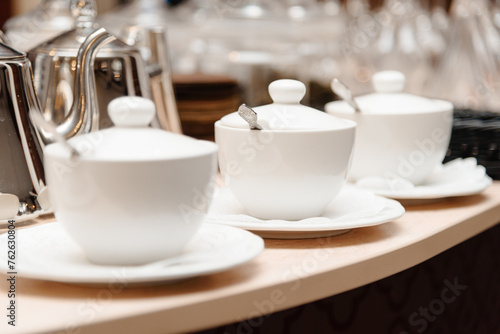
{"x":447,"y":49}
{"x":225,"y":52}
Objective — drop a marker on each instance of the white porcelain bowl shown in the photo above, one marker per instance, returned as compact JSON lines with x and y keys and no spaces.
{"x":137,"y":194}
{"x":295,"y":167}
{"x":398,"y":135}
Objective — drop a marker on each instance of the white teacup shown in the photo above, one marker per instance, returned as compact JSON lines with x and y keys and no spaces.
{"x":399,"y":136}
{"x":295,"y":167}
{"x":136,"y":194}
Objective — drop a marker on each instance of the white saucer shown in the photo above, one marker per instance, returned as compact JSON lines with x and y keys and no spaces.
{"x":20,"y":219}
{"x":353,"y":208}
{"x":460,"y":177}
{"x":47,"y":253}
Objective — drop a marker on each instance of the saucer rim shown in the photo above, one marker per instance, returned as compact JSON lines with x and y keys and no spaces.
{"x":139,"y":277}
{"x":472,"y":189}
{"x":397,"y":211}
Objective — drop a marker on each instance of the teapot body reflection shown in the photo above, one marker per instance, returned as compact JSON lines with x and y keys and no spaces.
{"x":21,"y":168}
{"x":118,"y":70}
{"x":21,"y":143}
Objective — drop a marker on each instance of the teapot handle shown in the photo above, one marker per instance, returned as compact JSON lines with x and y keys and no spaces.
{"x":161,"y":84}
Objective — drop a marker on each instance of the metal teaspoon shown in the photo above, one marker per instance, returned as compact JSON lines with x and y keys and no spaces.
{"x":249,"y":115}
{"x":345,"y":93}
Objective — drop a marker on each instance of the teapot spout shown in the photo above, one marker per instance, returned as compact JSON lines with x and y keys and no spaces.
{"x":83,"y":116}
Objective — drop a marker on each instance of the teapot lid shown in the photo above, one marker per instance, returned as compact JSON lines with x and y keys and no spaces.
{"x":390,"y":99}
{"x":131,"y":139}
{"x":286,"y":113}
{"x":68,"y":43}
{"x":8,"y":53}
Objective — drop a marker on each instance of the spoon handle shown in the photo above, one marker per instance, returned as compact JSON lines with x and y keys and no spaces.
{"x":249,"y":115}
{"x":345,"y":93}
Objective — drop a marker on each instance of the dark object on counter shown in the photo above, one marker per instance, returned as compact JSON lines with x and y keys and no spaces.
{"x":476,"y":134}
{"x":202,"y":100}
{"x":173,"y":3}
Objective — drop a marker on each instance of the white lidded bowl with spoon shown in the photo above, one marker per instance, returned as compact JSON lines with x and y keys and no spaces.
{"x":295,"y":166}
{"x":133,"y":194}
{"x":400,"y":136}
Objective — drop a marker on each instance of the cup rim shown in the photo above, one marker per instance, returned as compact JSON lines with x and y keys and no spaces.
{"x":350,"y":125}
{"x":330,"y":109}
{"x":57,"y":151}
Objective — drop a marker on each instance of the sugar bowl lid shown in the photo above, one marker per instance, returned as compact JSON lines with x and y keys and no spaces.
{"x":286,"y":113}
{"x":132,"y":140}
{"x":390,"y":99}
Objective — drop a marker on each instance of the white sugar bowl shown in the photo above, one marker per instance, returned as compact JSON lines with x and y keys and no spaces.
{"x":399,"y":136}
{"x":136,"y":194}
{"x":293,"y":168}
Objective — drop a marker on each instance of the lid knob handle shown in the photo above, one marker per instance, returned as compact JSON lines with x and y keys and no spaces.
{"x":84,"y":12}
{"x":131,"y":111}
{"x":389,"y":82}
{"x":287,"y":91}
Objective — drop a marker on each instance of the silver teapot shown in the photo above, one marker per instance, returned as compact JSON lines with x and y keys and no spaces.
{"x":119,"y":71}
{"x":143,"y":24}
{"x":21,"y":143}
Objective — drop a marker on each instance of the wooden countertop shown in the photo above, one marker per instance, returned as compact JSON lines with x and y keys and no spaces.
{"x":288,"y":273}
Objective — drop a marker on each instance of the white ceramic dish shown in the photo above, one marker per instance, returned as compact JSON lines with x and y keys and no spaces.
{"x":398,"y":135}
{"x":294,"y":167}
{"x":46,"y":252}
{"x":132,"y":185}
{"x":460,"y":177}
{"x":353,"y":208}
